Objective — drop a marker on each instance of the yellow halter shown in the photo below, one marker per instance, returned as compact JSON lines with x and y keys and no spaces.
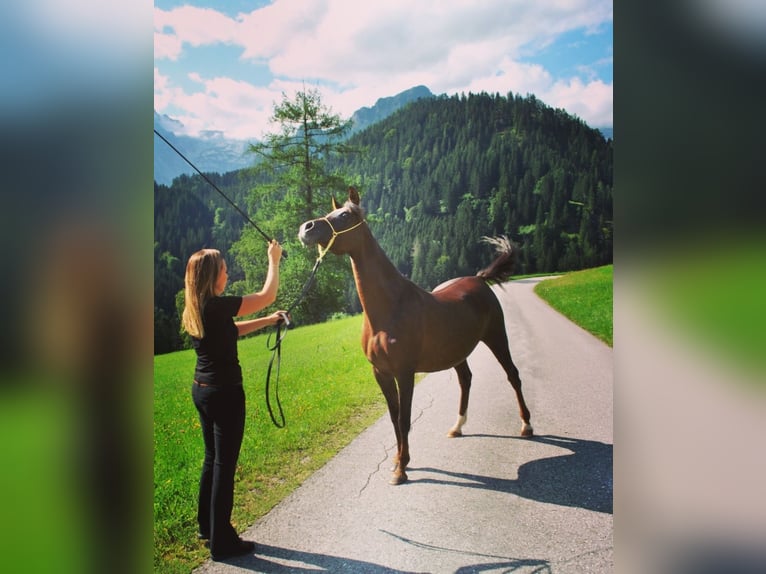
{"x":323,"y":252}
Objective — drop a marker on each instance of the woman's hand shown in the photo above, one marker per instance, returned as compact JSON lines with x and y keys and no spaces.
{"x":251,"y":325}
{"x":275,"y":252}
{"x":280,"y":317}
{"x":268,"y":294}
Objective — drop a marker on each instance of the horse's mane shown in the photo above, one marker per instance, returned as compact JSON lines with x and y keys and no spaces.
{"x":501,"y":269}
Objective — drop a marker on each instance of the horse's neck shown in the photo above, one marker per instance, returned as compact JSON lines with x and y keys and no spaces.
{"x":378,"y":282}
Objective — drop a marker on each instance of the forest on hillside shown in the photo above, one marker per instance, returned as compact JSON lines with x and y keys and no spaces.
{"x":434,"y":177}
{"x":443,"y":172}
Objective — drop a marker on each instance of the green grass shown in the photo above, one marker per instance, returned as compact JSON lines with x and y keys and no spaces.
{"x":585,"y":297}
{"x":328,"y":395}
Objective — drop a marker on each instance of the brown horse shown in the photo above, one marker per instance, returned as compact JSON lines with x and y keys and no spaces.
{"x":407,"y":329}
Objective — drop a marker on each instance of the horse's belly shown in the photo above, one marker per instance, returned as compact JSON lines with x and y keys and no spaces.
{"x":440,"y":345}
{"x":397,"y":355}
{"x":442,"y":357}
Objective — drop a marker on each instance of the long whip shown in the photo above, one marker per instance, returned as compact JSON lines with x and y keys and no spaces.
{"x":276,"y":348}
{"x":215,"y":187}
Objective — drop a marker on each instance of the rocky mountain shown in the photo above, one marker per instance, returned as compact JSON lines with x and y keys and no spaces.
{"x":210,"y":152}
{"x":384,"y":107}
{"x":213,"y":152}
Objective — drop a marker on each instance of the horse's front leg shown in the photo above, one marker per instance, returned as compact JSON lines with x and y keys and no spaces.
{"x":406,"y":383}
{"x":387,"y":385}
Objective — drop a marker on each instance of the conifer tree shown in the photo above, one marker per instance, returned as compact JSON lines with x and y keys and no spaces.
{"x":296,"y":185}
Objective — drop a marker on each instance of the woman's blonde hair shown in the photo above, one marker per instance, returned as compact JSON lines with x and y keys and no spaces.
{"x":199,"y":286}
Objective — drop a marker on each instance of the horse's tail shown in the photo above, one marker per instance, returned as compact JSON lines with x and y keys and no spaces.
{"x":502,"y":267}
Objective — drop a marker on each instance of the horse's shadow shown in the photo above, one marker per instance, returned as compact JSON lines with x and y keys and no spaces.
{"x":582,"y":479}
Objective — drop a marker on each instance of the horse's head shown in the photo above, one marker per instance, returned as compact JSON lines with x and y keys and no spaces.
{"x":331,"y":232}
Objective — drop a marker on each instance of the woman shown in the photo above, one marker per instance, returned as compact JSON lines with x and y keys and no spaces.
{"x":217,"y":390}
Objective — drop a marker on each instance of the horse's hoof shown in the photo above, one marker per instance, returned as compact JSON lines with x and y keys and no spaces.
{"x":454,"y":433}
{"x":527,"y":431}
{"x":398,"y":478}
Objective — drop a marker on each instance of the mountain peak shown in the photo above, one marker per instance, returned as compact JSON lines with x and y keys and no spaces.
{"x":211,"y":151}
{"x":384,"y":107}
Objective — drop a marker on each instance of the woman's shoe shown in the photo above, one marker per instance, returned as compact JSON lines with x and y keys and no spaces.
{"x":238,"y":549}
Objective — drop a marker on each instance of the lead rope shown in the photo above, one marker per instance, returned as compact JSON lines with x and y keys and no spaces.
{"x":279,"y":335}
{"x":276,"y":349}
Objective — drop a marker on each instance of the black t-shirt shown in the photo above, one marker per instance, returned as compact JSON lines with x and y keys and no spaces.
{"x":217,"y":360}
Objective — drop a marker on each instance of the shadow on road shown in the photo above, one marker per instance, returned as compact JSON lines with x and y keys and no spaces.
{"x":507,"y":564}
{"x":582,"y":479}
{"x":303,"y":562}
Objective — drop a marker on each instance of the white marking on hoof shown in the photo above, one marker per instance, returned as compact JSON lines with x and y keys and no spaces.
{"x":457,"y":430}
{"x":526,"y":429}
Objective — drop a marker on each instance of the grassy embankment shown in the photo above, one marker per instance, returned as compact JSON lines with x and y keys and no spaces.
{"x":585,"y":297}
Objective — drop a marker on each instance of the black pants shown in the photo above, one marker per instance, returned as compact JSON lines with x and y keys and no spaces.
{"x":222,"y":417}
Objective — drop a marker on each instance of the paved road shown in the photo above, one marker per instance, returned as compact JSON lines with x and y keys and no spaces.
{"x":487,"y":502}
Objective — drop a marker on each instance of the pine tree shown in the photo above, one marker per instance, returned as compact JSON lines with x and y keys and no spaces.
{"x":297,"y":186}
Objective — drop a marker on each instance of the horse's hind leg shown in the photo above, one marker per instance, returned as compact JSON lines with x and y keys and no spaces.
{"x":464,"y":377}
{"x":498,"y":344}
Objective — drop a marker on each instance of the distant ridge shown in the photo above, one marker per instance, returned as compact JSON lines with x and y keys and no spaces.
{"x":384,"y":107}
{"x":211,"y":152}
{"x":214,"y":153}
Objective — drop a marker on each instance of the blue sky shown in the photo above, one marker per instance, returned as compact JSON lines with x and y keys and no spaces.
{"x":222,"y":65}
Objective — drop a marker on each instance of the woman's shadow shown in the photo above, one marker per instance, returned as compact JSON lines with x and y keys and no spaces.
{"x":306,"y":562}
{"x":266,"y":560}
{"x":582,"y":478}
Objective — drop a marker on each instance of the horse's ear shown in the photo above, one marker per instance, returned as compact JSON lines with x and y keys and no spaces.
{"x":335,"y":204}
{"x":353,"y":195}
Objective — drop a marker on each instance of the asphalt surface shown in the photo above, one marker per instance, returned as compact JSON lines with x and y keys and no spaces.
{"x":487,"y":502}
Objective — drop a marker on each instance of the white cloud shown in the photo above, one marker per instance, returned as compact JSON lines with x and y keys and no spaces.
{"x":357,"y":52}
{"x":591,"y":70}
{"x":591,"y":102}
{"x":164,"y":94}
{"x":239,"y":109}
{"x":195,"y":26}
{"x":510,"y":76}
{"x":167,"y":46}
{"x":346,"y":45}
{"x":188,"y":25}
{"x":272,"y":30}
